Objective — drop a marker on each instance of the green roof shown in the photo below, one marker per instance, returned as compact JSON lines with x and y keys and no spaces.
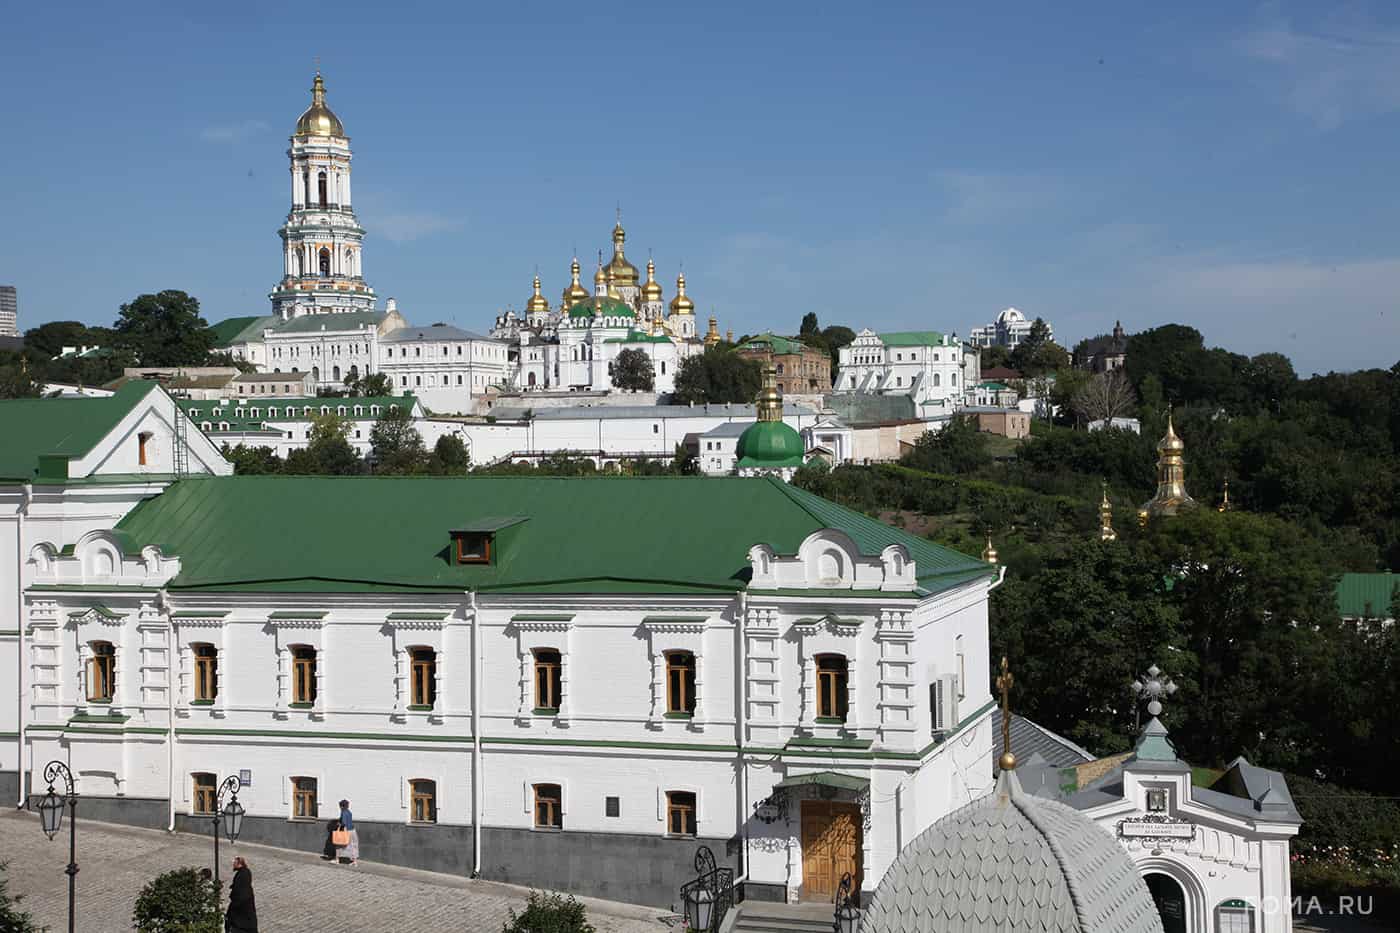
{"x":64,"y":427}
{"x":226,"y":330}
{"x":912,"y":338}
{"x":637,"y":336}
{"x":294,"y":534}
{"x":1367,"y":595}
{"x":246,"y":422}
{"x":770,"y":444}
{"x":601,"y":307}
{"x":782,"y":346}
{"x":994,"y":386}
{"x":345,"y":320}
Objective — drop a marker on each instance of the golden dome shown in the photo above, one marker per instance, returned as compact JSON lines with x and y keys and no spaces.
{"x":575,"y":292}
{"x":1170,"y":442}
{"x":989,"y":553}
{"x":318,"y":119}
{"x":600,"y":277}
{"x":651,"y":290}
{"x":620,"y":271}
{"x":537,"y":304}
{"x":681,"y":304}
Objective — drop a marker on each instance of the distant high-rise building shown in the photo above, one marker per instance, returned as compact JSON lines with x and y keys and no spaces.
{"x":9,"y":312}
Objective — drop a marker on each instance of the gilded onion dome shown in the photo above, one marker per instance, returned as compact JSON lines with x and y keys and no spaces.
{"x":620,"y":271}
{"x":681,"y":304}
{"x":537,"y":304}
{"x":318,"y":119}
{"x":651,"y":289}
{"x":575,"y":292}
{"x":1171,"y":496}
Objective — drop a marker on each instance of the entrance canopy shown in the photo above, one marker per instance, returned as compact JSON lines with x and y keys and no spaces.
{"x":824,"y":779}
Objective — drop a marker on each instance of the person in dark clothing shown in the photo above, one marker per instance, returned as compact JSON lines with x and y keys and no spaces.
{"x":328,"y":850}
{"x":242,"y":916}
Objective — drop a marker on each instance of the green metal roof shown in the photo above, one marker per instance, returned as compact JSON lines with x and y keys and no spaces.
{"x":912,"y":338}
{"x":63,"y":427}
{"x":994,"y":386}
{"x":769,"y":444}
{"x":781,"y":346}
{"x":264,"y":403}
{"x":294,"y":534}
{"x":601,"y":307}
{"x":825,"y":779}
{"x":226,"y":330}
{"x":345,"y":320}
{"x":1366,"y":595}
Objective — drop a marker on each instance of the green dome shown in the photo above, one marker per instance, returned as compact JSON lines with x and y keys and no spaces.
{"x":770,"y":444}
{"x":601,"y":307}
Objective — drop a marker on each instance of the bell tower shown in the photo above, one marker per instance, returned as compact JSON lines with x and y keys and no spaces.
{"x":321,"y":239}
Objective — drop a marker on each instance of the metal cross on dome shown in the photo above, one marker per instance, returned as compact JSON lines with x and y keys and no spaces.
{"x":1154,"y":686}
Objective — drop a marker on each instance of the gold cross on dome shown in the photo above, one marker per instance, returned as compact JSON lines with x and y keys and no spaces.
{"x":1004,"y":682}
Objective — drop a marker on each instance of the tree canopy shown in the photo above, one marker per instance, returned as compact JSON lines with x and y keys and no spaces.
{"x":164,"y":329}
{"x":717,"y":375}
{"x":633,"y":371}
{"x":395,"y":444}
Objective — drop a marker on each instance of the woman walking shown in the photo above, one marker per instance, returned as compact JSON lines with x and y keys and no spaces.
{"x":349,"y":853}
{"x":242,"y":916}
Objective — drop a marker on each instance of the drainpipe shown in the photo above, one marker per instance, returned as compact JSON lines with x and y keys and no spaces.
{"x":26,"y":496}
{"x":476,"y":736}
{"x":171,"y":676}
{"x":743,"y":722}
{"x":1001,"y":578}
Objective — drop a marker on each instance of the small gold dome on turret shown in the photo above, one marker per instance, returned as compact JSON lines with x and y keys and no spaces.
{"x":651,"y":289}
{"x":620,"y":271}
{"x":575,"y":292}
{"x":681,"y":304}
{"x":318,"y":119}
{"x":1170,"y":442}
{"x":989,"y":553}
{"x":537,"y":304}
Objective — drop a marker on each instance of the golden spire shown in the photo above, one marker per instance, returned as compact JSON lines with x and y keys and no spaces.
{"x":1004,"y":682}
{"x":651,"y":290}
{"x":318,"y":120}
{"x":729,"y":336}
{"x":989,"y":553}
{"x":1171,"y":494}
{"x":1225,"y":497}
{"x":537,"y":304}
{"x":681,"y":304}
{"x":600,"y":278}
{"x":575,"y":292}
{"x":1106,"y":532}
{"x":769,"y":402}
{"x":620,"y":271}
{"x":711,"y":335}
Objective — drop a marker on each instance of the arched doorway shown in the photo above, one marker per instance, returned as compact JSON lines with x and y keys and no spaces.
{"x":325,"y":259}
{"x":1170,"y":899}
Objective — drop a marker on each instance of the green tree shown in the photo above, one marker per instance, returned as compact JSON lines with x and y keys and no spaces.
{"x":165,"y":330}
{"x":717,"y":375}
{"x":633,"y":372}
{"x":995,"y":356}
{"x":809,"y":326}
{"x":1029,"y":355}
{"x":958,"y":448}
{"x":12,"y":919}
{"x":684,"y":462}
{"x":15,"y":380}
{"x":48,"y":340}
{"x":549,"y":913}
{"x":376,"y":385}
{"x":395,"y":444}
{"x":226,"y":358}
{"x":252,"y":461}
{"x":327,"y":452}
{"x":449,"y":457}
{"x":178,"y":901}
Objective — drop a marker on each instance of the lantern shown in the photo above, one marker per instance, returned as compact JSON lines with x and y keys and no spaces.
{"x":233,"y":819}
{"x":51,"y":813}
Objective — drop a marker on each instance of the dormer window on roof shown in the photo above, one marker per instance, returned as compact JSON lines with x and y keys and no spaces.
{"x":476,"y":543}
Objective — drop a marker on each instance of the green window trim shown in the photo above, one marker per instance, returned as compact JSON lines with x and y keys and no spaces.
{"x":201,"y":702}
{"x":830,"y":721}
{"x":300,"y":705}
{"x":420,"y":707}
{"x":546,"y":711}
{"x":100,"y":701}
{"x":680,"y":715}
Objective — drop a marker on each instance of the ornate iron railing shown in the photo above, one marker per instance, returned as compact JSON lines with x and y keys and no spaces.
{"x":717,"y":881}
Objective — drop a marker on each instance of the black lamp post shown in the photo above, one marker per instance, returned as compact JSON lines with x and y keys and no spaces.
{"x":847,"y":918}
{"x":51,"y":820}
{"x":230,"y":814}
{"x":698,"y":898}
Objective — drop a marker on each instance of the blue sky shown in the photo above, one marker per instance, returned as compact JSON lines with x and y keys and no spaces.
{"x":892,"y":166}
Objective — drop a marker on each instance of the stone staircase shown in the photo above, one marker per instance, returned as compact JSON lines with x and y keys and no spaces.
{"x":767,"y":917}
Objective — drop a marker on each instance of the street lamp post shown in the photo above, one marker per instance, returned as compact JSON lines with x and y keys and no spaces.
{"x":708,"y":898}
{"x":230,"y":814}
{"x":51,"y":821}
{"x":846,"y":917}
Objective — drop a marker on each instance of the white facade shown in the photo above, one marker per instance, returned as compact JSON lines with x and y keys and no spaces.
{"x":442,"y":365}
{"x":1008,"y":330}
{"x":284,"y":424}
{"x":928,"y":366}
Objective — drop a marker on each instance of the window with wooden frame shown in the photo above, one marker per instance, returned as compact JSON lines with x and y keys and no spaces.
{"x":471,"y":547}
{"x":205,"y":796}
{"x":422,"y":801}
{"x":206,"y":673}
{"x":303,"y":675}
{"x":549,"y":811}
{"x":304,"y":798}
{"x":548,"y":680}
{"x":831,"y":688}
{"x":142,"y":441}
{"x":102,"y":672}
{"x":680,"y":813}
{"x":423,"y":670}
{"x":680,"y":683}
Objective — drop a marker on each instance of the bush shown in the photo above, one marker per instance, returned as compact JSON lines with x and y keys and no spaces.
{"x":549,"y":913}
{"x":178,"y":901}
{"x":12,"y":919}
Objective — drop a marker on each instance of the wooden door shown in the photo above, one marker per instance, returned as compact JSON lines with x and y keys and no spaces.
{"x":831,"y":843}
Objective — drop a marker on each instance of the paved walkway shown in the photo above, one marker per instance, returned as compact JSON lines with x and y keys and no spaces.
{"x":296,"y":891}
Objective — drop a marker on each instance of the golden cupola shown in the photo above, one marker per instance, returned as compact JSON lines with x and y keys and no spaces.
{"x":318,"y":120}
{"x":1106,"y":532}
{"x":537,"y":304}
{"x":989,"y":553}
{"x":681,"y":304}
{"x":1171,"y":494}
{"x":600,"y":280}
{"x":651,"y":289}
{"x":575,"y":292}
{"x":620,"y":271}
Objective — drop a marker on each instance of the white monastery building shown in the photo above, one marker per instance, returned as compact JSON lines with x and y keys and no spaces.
{"x":1008,"y":330}
{"x":934,"y":369}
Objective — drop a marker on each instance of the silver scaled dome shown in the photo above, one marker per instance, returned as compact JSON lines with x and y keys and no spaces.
{"x":1010,"y":862}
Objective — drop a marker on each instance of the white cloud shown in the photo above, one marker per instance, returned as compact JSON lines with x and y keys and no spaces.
{"x":991,"y":197}
{"x":233,"y":132}
{"x":1339,"y":69}
{"x":404,"y":226}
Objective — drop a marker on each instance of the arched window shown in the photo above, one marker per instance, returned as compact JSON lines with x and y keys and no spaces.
{"x":349,"y":262}
{"x":831,"y":687}
{"x":321,"y":187}
{"x":1234,"y":916}
{"x":325,"y":263}
{"x":335,"y":373}
{"x":306,"y":187}
{"x":780,"y":369}
{"x":316,"y":376}
{"x":935,"y":379}
{"x":953,"y":379}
